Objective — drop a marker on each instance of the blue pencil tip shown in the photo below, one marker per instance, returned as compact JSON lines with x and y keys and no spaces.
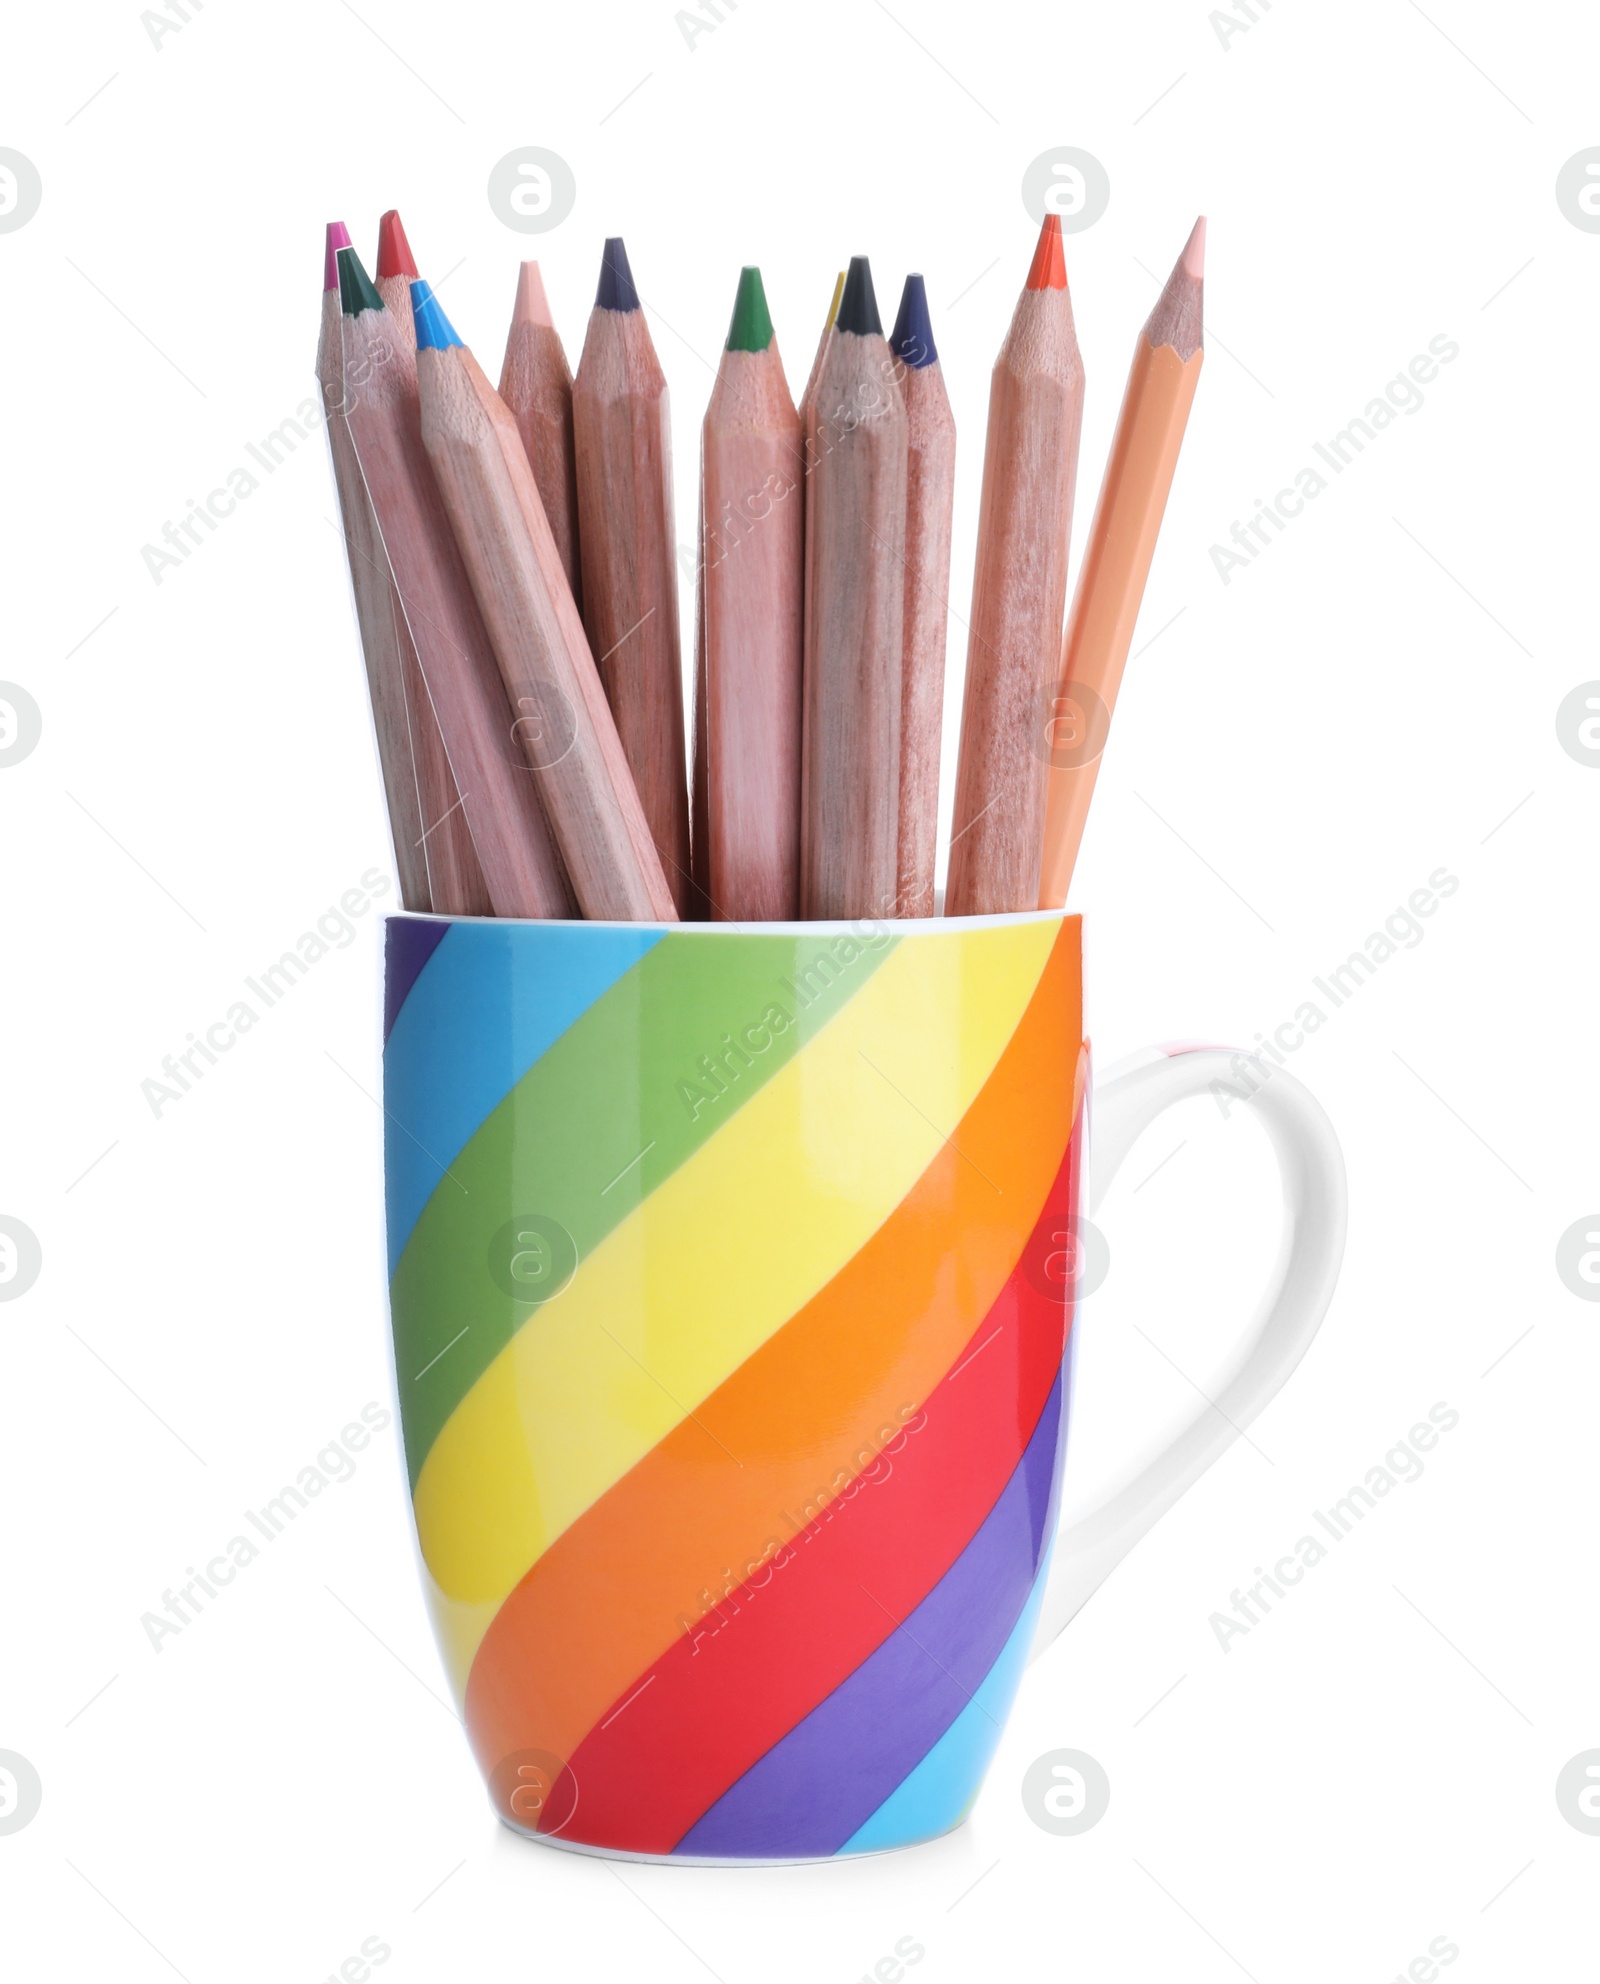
{"x":616,"y":290}
{"x":434,"y":329}
{"x":912,"y":342}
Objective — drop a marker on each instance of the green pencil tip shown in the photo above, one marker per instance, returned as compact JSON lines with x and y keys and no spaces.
{"x":751,"y":329}
{"x":356,"y":291}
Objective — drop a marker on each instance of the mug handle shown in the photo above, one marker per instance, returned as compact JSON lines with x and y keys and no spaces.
{"x":1312,"y":1169}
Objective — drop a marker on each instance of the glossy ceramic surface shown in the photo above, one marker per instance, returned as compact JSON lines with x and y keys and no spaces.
{"x":729,"y":1302}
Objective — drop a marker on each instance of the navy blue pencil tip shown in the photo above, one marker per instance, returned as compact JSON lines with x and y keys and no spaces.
{"x":616,"y":290}
{"x":912,"y":342}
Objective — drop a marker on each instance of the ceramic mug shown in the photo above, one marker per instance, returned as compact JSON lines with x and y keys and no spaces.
{"x":731,"y":1283}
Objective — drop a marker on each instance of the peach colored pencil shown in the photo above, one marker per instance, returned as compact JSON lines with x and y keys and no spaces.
{"x":854,"y":617}
{"x":536,"y":385}
{"x":438,"y":869}
{"x":1025,"y":520}
{"x":930,"y":500}
{"x":1116,"y":561}
{"x":566,"y":728}
{"x":628,"y":549}
{"x":752,"y":557}
{"x":519,"y":862}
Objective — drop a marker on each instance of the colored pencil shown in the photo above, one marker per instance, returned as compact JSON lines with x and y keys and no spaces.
{"x":1019,"y":593}
{"x":821,"y":352}
{"x":854,"y":617}
{"x":628,"y":548}
{"x":458,"y":884}
{"x":566,"y":728}
{"x":536,"y":385}
{"x":370,"y":583}
{"x":397,"y":270}
{"x":436,"y":869}
{"x":457,"y":879}
{"x":519,"y":862}
{"x":752,"y":559}
{"x":806,"y":401}
{"x":1167,"y":357}
{"x":930,"y":502}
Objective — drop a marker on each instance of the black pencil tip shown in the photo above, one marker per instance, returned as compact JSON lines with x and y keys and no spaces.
{"x":616,"y":291}
{"x":858,"y":307}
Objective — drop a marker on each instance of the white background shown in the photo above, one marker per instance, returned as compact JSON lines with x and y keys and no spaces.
{"x":1373,"y":1766}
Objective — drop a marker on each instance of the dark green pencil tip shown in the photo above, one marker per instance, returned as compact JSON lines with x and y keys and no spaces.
{"x":751,"y":329}
{"x":858,"y":307}
{"x":356,"y":291}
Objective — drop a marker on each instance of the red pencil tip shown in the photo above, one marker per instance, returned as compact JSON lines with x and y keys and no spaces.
{"x":394,"y":251}
{"x":1049,"y":270}
{"x":338,"y":237}
{"x":1194,"y":254}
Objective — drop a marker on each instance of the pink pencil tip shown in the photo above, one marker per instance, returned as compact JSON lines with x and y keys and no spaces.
{"x":1194,"y":255}
{"x":338,"y":237}
{"x":532,"y":306}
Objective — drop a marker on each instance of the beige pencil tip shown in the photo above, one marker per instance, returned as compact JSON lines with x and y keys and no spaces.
{"x":532,"y":305}
{"x":1194,"y":255}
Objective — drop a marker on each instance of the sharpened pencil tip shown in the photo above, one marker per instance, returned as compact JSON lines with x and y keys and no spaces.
{"x":394,"y":251}
{"x":616,"y":290}
{"x":858,"y":306}
{"x":1179,"y":313}
{"x":833,"y":307}
{"x":435,"y":332}
{"x":912,"y":338}
{"x":1049,"y":269}
{"x":338,"y":237}
{"x":751,"y":328}
{"x":532,"y":305}
{"x":356,"y":292}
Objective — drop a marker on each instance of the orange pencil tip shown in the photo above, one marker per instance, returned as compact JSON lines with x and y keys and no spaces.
{"x":1049,"y":270}
{"x":1194,"y":254}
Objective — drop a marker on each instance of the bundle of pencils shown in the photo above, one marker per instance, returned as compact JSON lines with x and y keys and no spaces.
{"x":512,"y":558}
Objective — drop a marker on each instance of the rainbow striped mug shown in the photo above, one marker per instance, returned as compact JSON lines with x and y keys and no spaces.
{"x":731,"y":1291}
